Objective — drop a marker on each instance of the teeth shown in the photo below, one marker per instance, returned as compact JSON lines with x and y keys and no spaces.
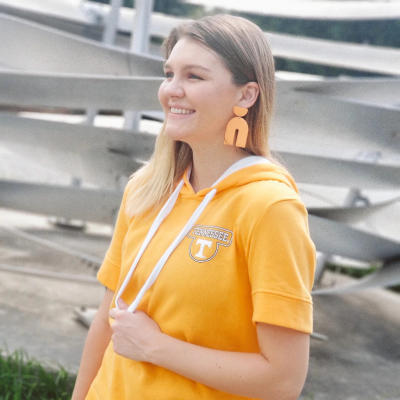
{"x":181,"y":111}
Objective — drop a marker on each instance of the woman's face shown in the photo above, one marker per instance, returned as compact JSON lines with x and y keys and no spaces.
{"x":197,"y":94}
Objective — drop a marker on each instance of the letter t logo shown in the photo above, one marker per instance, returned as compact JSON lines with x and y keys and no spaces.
{"x":202,"y":243}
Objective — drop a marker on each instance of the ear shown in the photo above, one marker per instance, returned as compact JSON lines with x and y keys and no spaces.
{"x":248,"y":94}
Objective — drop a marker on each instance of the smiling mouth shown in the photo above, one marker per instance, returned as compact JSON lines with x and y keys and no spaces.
{"x":175,"y":110}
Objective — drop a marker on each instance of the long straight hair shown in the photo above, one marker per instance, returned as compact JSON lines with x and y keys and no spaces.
{"x":244,"y":50}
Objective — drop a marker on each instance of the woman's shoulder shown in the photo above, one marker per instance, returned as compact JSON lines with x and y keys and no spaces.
{"x":261,"y":200}
{"x":267,"y":206}
{"x":267,"y":192}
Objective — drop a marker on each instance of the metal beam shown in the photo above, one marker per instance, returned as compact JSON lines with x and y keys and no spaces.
{"x":383,"y":60}
{"x":79,"y":91}
{"x":321,"y":10}
{"x":388,"y":275}
{"x":51,"y":50}
{"x":40,"y":40}
{"x":93,"y":205}
{"x":63,"y":140}
{"x":381,"y":92}
{"x":327,"y":126}
{"x":335,"y":238}
{"x":330,"y":171}
{"x":352,"y":214}
{"x":18,"y":133}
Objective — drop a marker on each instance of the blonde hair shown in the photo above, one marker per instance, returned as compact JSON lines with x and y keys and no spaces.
{"x":244,"y":50}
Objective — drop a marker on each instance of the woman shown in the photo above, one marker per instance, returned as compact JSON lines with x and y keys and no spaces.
{"x":208,"y":274}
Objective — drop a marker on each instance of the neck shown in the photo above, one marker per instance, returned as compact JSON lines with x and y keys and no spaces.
{"x":210,"y":162}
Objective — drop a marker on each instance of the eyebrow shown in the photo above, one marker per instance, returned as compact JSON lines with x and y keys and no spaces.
{"x":166,"y":65}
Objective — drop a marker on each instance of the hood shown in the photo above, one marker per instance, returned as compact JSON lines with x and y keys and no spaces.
{"x":263,"y":171}
{"x":246,"y":170}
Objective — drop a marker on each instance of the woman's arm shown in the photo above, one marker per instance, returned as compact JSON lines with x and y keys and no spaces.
{"x":278,"y":372}
{"x":98,"y":337}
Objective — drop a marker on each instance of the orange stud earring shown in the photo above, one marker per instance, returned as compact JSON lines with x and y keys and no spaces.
{"x":239,"y":125}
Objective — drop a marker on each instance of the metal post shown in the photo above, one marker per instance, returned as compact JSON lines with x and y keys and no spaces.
{"x":109,"y":34}
{"x":112,"y":22}
{"x":139,"y":44}
{"x":141,"y":33}
{"x":323,"y":259}
{"x":353,"y":197}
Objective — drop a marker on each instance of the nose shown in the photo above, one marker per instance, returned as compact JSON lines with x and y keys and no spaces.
{"x":173,"y":87}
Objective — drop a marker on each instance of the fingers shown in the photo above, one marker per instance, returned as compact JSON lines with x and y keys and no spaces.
{"x":122,"y":305}
{"x":113,"y":313}
{"x":116,"y":313}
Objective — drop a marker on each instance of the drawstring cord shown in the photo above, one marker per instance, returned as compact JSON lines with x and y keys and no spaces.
{"x":164,"y":212}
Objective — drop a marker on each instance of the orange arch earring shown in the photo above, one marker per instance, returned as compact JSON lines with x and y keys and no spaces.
{"x":237,"y":124}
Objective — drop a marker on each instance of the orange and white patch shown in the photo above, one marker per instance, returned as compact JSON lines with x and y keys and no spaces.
{"x":206,"y":241}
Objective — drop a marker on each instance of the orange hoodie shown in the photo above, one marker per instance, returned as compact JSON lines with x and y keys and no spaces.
{"x":246,"y":258}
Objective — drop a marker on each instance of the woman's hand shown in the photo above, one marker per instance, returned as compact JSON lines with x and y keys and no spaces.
{"x":134,"y":335}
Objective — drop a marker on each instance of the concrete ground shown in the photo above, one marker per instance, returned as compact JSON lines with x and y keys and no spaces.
{"x":359,"y":361}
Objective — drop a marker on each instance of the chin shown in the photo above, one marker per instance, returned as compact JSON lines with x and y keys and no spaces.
{"x":177,"y":135}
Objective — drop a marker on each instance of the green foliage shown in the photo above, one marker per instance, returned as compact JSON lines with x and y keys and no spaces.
{"x":178,"y":8}
{"x":22,"y":378}
{"x":172,"y":7}
{"x":353,"y":272}
{"x":378,"y":33}
{"x":372,"y":32}
{"x":359,"y":273}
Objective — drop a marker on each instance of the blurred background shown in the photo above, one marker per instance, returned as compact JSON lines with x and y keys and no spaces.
{"x":79,"y":113}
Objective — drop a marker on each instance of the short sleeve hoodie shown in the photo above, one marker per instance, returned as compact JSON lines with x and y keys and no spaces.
{"x":247,"y":258}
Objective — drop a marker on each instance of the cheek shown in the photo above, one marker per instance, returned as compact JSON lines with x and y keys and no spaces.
{"x":161,"y":95}
{"x":221,"y":108}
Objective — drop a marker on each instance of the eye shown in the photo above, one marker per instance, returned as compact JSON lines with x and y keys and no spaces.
{"x":168,"y":74}
{"x":194,"y":76}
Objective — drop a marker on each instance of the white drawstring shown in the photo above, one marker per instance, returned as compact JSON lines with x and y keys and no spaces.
{"x":166,"y":209}
{"x":186,"y":229}
{"x":163,"y":213}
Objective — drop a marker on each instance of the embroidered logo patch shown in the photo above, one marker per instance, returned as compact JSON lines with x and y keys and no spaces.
{"x":206,"y":241}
